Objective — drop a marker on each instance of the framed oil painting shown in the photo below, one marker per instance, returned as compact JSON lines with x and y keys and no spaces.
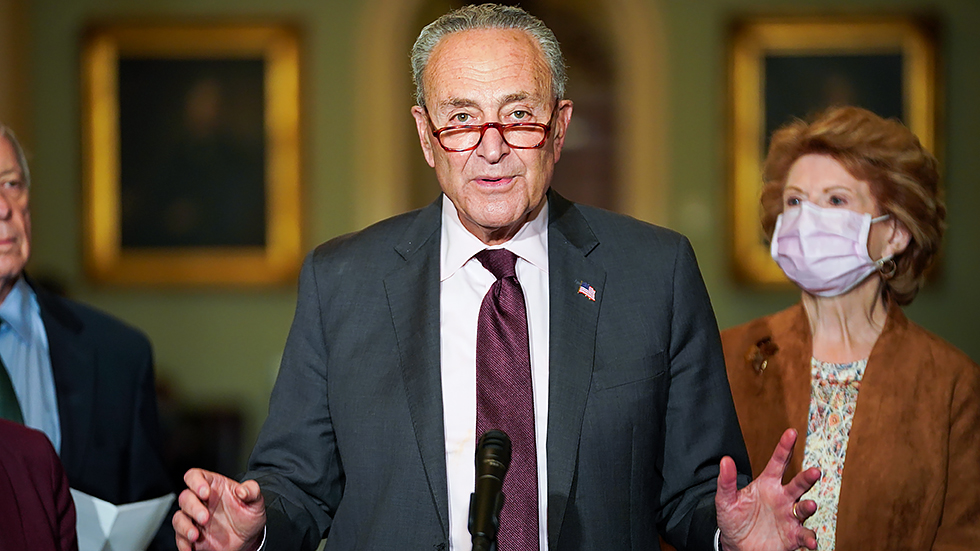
{"x":783,"y":69}
{"x":191,"y":154}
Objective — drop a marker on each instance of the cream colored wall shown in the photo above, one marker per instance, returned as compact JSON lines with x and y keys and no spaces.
{"x":218,"y":345}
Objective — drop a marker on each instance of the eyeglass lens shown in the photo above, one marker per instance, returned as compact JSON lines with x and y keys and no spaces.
{"x":515,"y":136}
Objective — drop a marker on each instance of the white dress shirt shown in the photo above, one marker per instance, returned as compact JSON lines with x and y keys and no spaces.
{"x":463,"y":284}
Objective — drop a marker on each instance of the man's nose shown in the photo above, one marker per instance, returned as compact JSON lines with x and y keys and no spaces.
{"x":493,"y":147}
{"x":6,"y":207}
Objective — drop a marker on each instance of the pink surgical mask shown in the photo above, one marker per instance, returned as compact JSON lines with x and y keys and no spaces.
{"x":824,"y":250}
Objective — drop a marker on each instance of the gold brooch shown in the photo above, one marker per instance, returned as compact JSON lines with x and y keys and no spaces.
{"x":758,"y":355}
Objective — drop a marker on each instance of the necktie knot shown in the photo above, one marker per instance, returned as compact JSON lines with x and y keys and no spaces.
{"x":500,"y":262}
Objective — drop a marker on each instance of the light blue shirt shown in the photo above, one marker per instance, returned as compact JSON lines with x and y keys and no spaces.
{"x":24,"y":349}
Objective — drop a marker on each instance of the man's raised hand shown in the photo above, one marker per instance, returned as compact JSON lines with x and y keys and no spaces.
{"x":219,"y":514}
{"x":765,"y":515}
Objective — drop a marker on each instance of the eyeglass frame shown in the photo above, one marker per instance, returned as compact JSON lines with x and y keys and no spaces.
{"x":483,"y":130}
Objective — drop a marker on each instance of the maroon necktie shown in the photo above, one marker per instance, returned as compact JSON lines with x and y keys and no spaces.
{"x":504,"y":400}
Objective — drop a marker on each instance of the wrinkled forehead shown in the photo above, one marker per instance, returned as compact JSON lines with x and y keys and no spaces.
{"x":487,"y":66}
{"x":821,"y":171}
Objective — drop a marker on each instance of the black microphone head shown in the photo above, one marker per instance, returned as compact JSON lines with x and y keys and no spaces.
{"x":492,"y":461}
{"x":493,"y":450}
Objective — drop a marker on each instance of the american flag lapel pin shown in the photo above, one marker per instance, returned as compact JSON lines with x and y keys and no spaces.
{"x":587,"y":290}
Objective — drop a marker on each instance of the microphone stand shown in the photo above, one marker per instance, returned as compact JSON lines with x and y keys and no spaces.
{"x":488,"y":542}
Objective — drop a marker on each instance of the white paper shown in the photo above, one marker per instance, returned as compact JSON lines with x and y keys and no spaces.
{"x":103,"y":526}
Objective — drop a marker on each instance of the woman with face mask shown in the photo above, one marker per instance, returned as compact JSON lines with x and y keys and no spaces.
{"x":891,"y":412}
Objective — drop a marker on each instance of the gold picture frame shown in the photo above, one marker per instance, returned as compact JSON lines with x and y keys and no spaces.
{"x":191,"y":154}
{"x":883,"y":64}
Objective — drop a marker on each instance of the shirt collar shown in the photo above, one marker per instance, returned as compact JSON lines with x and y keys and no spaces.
{"x":17,"y":309}
{"x":459,"y":245}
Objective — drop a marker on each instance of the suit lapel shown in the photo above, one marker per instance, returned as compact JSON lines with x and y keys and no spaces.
{"x":73,"y":366}
{"x":574,"y":318}
{"x":413,"y":298}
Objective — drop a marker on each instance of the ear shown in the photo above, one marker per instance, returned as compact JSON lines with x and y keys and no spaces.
{"x":562,"y":119}
{"x":899,"y":239}
{"x":425,"y":137}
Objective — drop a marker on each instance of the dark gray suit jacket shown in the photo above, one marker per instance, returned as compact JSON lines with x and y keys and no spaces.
{"x":639,"y":410}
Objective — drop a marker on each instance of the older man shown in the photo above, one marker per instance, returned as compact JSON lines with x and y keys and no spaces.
{"x":79,"y":376}
{"x":407,"y":345}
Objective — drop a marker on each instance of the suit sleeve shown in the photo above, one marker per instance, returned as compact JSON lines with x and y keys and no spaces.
{"x":63,"y":503}
{"x":701,"y":424}
{"x":959,"y":529}
{"x":295,"y":460}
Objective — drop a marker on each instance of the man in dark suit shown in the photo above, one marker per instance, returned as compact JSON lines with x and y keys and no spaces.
{"x":82,"y":377}
{"x":36,"y":510}
{"x":370,"y":435}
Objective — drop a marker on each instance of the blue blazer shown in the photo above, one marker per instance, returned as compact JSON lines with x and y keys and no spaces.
{"x":110,"y":429}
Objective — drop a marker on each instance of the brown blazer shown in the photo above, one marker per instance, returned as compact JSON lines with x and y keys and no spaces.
{"x":912,"y":472}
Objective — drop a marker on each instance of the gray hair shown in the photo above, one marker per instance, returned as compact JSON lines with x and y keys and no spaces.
{"x":487,"y":16}
{"x":6,"y":132}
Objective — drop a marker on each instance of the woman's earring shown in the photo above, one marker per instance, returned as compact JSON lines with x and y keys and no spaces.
{"x":888,"y":269}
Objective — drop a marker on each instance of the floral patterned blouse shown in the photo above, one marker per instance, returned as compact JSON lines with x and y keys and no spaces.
{"x":833,"y":395}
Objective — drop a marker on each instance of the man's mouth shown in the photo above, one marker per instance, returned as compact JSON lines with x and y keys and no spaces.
{"x":497,"y":180}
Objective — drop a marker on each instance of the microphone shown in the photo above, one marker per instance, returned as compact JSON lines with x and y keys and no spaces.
{"x":492,"y":461}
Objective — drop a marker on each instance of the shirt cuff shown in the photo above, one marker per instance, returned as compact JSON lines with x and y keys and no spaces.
{"x":262,"y":545}
{"x":717,"y":539}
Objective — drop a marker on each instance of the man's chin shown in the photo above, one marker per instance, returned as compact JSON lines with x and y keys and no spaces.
{"x":10,"y":268}
{"x":494,"y":221}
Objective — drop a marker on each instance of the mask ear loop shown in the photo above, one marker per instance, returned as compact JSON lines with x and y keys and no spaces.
{"x":886,"y":266}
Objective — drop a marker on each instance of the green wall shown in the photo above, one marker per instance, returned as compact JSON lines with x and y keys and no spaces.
{"x":223,"y":345}
{"x":949,"y":306}
{"x":212,"y":345}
